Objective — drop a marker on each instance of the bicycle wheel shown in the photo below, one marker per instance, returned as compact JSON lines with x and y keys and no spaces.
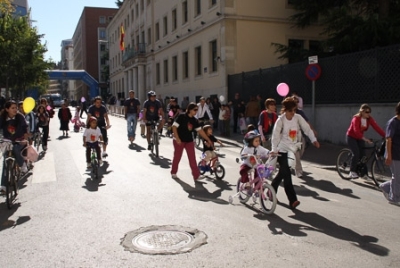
{"x":202,"y":168}
{"x":219,"y":172}
{"x":156,"y":142}
{"x":95,"y":169}
{"x":38,"y":141}
{"x":243,"y":196}
{"x":268,"y":199}
{"x":380,"y":172}
{"x":9,"y":198}
{"x":16,"y":175}
{"x":343,"y":163}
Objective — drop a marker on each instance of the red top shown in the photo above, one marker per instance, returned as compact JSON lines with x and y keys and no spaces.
{"x":356,"y":131}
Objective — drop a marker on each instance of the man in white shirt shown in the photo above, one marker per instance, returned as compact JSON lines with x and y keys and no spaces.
{"x":203,"y":109}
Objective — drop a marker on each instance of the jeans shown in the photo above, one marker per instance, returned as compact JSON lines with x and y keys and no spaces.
{"x":357,"y":148}
{"x":131,"y":121}
{"x":178,"y":150}
{"x":392,"y":187}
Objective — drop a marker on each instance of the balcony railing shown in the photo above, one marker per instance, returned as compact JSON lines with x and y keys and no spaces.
{"x":136,"y":51}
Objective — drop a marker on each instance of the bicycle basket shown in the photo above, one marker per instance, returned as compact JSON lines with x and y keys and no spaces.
{"x":264,"y":171}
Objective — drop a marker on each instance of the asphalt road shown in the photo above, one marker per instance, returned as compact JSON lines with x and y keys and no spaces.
{"x":64,"y":219}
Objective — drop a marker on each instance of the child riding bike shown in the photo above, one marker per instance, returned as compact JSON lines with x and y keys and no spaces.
{"x":208,"y":148}
{"x":252,"y":147}
{"x":91,"y":137}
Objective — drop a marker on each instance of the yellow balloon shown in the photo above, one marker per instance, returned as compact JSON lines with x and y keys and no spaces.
{"x":28,"y":104}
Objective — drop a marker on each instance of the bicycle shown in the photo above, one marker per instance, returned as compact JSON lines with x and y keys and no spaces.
{"x":154,"y":138}
{"x":259,"y":186}
{"x":11,"y":171}
{"x":94,"y":162}
{"x":213,"y":166}
{"x":379,"y":171}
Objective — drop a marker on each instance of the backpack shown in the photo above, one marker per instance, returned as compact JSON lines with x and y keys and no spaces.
{"x":266,"y":120}
{"x":50,"y":111}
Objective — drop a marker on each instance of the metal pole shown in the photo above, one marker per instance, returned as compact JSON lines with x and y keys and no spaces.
{"x":313,"y":103}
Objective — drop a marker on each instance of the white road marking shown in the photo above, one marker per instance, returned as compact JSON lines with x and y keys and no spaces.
{"x":44,"y":170}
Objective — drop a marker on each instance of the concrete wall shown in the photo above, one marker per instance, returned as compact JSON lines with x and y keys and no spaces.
{"x":332,"y":121}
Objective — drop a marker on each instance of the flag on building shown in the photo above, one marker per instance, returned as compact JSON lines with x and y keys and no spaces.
{"x":121,"y":39}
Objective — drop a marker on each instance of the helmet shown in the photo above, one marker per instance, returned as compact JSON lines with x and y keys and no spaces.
{"x":151,"y":93}
{"x":92,"y":118}
{"x":250,"y":136}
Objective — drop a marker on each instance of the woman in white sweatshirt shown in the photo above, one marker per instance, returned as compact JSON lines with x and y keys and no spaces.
{"x":284,"y":141}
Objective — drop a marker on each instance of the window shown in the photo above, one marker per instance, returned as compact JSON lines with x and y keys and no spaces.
{"x":102,"y":61}
{"x":295,"y":47}
{"x":132,"y":15}
{"x":157,"y":74}
{"x":314,"y":46}
{"x":174,"y":22}
{"x":110,"y":19}
{"x":142,"y":37}
{"x":175,"y":68}
{"x":213,"y":3}
{"x":149,"y":36}
{"x":197,"y":8}
{"x":185,"y":64}
{"x":102,"y":20}
{"x":148,"y":2}
{"x":102,"y":47}
{"x":137,"y":10}
{"x":290,"y":2}
{"x":184,"y":12}
{"x":141,"y":5}
{"x":157,"y":31}
{"x":165,"y":71}
{"x":165,"y":21}
{"x":198,"y":60}
{"x":102,"y":34}
{"x":214,"y":55}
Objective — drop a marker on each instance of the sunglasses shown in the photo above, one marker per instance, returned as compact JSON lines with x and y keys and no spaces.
{"x":195,"y":110}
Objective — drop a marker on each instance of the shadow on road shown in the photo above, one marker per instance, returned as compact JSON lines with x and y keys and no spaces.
{"x":200,"y":193}
{"x":6,"y":213}
{"x":136,"y":147}
{"x":160,"y":161}
{"x":323,"y":185}
{"x":321,"y":224}
{"x":91,"y":184}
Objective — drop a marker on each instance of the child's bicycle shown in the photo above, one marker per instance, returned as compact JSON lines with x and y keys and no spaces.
{"x":94,"y":162}
{"x":258,"y":187}
{"x":213,"y":166}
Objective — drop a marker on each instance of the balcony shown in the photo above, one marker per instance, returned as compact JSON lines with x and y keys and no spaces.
{"x":131,"y":53}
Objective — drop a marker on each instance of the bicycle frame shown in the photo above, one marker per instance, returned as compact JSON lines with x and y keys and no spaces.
{"x":154,"y":136}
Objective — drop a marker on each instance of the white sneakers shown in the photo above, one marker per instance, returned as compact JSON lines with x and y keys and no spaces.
{"x":174,"y":176}
{"x":24,"y":168}
{"x":353,"y":175}
{"x":104,"y":154}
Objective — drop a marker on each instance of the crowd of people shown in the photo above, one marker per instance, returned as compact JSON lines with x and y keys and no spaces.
{"x":264,"y":128}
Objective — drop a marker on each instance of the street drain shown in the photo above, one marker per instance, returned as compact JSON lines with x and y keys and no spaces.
{"x":166,"y":239}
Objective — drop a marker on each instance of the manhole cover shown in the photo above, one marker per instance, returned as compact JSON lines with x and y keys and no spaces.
{"x":167,"y":239}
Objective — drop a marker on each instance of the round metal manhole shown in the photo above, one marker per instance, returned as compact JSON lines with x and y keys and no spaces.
{"x":166,"y":239}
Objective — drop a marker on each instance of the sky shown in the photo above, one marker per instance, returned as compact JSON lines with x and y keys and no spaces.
{"x":57,"y":20}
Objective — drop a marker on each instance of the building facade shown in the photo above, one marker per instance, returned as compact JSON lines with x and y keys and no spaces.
{"x":89,"y":47}
{"x":67,"y":63}
{"x":188,"y":48}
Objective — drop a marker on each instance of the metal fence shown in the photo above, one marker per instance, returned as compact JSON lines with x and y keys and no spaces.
{"x":371,"y":76}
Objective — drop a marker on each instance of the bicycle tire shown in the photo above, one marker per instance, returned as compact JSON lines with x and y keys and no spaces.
{"x":156,"y":142}
{"x":95,"y":169}
{"x":243,"y":197}
{"x":9,"y":199}
{"x":343,"y":163}
{"x":219,"y":172}
{"x":201,"y":168}
{"x":38,"y":141}
{"x":379,"y":171}
{"x":16,"y":175}
{"x":269,"y":203}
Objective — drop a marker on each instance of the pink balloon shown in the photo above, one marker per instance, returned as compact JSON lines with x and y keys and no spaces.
{"x":282,"y":89}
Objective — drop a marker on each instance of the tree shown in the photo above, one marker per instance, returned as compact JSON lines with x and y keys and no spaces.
{"x":22,"y":61}
{"x":119,"y":3}
{"x":347,"y":25}
{"x":6,"y":7}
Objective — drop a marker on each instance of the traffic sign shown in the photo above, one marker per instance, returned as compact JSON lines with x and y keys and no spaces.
{"x":313,"y":72}
{"x":313,"y":59}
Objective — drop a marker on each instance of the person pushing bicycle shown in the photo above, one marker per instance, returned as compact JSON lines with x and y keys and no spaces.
{"x":152,"y":111}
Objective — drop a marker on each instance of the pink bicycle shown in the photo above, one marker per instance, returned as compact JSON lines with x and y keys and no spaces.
{"x":258,"y":186}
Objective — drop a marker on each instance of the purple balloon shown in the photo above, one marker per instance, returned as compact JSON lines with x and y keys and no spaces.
{"x":282,"y":89}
